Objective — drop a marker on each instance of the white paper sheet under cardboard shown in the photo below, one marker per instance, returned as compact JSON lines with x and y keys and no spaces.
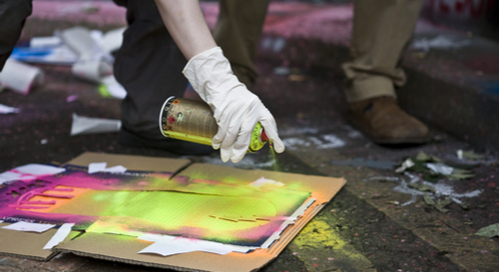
{"x":60,"y":235}
{"x":166,"y":245}
{"x":289,"y":221}
{"x":27,"y":226}
{"x":29,"y":172}
{"x":87,"y":125}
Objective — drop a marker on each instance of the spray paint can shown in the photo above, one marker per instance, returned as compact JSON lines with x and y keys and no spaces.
{"x":194,"y":121}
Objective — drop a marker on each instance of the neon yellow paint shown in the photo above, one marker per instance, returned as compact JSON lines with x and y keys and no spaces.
{"x":276,"y":166}
{"x":103,"y":91}
{"x":172,"y":210}
{"x":255,"y":141}
{"x":319,"y":233}
{"x":189,"y":138}
{"x":209,"y":215}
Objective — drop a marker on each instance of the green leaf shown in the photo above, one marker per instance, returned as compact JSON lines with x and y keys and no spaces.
{"x":470,"y":155}
{"x":441,"y":204}
{"x":429,"y":200}
{"x":489,"y":231}
{"x":423,"y":157}
{"x":459,"y":174}
{"x":422,"y":187}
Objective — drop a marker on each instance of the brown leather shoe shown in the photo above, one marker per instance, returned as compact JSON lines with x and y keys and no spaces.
{"x":384,"y":122}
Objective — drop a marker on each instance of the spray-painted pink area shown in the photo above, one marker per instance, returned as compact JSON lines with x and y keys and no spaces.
{"x":99,"y":12}
{"x":328,"y":23}
{"x":151,"y":202}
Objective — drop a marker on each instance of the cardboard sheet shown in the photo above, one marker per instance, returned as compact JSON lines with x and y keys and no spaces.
{"x":28,"y":244}
{"x":125,"y":248}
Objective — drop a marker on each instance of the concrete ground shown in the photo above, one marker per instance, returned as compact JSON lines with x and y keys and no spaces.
{"x":379,"y":221}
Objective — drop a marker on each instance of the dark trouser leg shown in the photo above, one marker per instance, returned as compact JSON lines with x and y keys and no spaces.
{"x":149,"y":65}
{"x":13,"y":14}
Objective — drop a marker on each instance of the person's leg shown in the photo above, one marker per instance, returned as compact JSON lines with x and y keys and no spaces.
{"x":237,"y":32}
{"x":13,"y":14}
{"x":149,"y":66}
{"x":381,"y":31}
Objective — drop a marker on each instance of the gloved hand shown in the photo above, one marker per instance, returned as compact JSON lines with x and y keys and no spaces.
{"x":236,"y":110}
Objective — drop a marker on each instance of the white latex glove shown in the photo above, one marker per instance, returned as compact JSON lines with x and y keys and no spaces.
{"x":236,"y":110}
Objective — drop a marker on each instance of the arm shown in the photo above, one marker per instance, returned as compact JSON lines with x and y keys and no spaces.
{"x":187,"y":26}
{"x":236,"y":110}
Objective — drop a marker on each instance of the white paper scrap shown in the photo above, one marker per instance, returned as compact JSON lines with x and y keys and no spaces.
{"x":440,"y":168}
{"x":92,"y":69}
{"x":266,"y":182}
{"x":87,"y":125}
{"x":29,"y":172}
{"x":60,"y":235}
{"x":166,"y":249}
{"x":52,"y":41}
{"x":20,"y":77}
{"x":6,"y":109}
{"x":95,"y":167}
{"x":408,"y":163}
{"x":166,"y":245}
{"x":112,"y":40}
{"x":27,"y":226}
{"x":114,"y":88}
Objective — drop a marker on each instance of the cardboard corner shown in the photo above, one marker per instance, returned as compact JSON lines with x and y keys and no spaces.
{"x":28,"y":245}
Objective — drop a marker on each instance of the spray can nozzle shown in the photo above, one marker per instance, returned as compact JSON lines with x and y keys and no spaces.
{"x":263,"y":136}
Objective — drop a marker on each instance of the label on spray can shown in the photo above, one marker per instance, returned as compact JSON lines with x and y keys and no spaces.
{"x":193,"y":121}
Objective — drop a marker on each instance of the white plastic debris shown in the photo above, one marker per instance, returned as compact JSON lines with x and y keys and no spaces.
{"x":440,"y":168}
{"x":114,"y":88}
{"x":42,"y":42}
{"x":408,"y":163}
{"x":87,"y":125}
{"x":6,"y":109}
{"x":20,"y":77}
{"x":439,"y":42}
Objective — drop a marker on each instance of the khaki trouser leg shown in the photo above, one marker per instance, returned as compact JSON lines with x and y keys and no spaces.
{"x":381,"y":31}
{"x":237,"y":32}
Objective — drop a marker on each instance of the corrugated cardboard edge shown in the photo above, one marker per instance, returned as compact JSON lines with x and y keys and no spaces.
{"x":28,"y":245}
{"x":124,"y":249}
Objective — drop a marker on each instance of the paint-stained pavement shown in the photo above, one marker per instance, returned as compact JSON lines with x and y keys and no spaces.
{"x":376,"y":223}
